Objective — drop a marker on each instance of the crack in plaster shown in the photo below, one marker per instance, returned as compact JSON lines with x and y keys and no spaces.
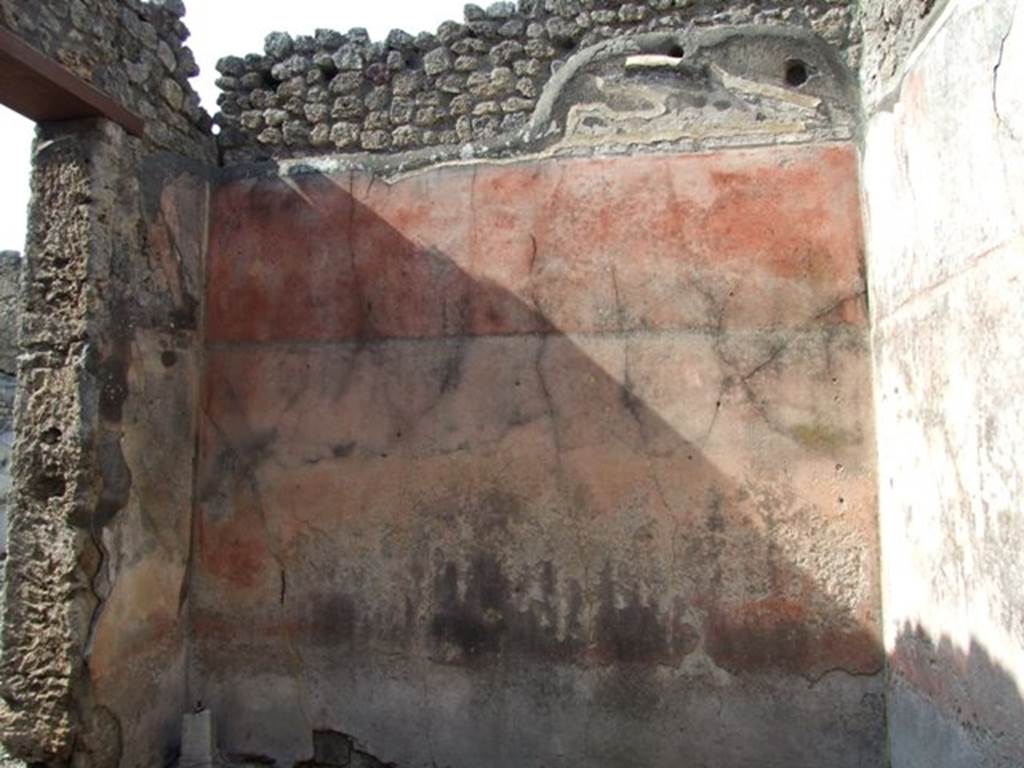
{"x":247,"y":469}
{"x":995,"y":76}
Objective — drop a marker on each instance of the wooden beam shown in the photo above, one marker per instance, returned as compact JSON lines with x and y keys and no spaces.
{"x":41,"y":89}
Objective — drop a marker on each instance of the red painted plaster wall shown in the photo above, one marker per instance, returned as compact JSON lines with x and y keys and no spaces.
{"x":554,"y":462}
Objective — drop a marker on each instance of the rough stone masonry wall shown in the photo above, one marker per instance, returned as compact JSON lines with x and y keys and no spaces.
{"x":132,"y":50}
{"x":944,"y":182}
{"x":99,"y":523}
{"x":469,"y":82}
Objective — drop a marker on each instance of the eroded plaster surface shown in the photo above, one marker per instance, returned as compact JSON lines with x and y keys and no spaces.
{"x":943,"y":172}
{"x":556,"y":461}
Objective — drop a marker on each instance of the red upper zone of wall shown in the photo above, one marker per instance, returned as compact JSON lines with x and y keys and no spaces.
{"x":750,"y":238}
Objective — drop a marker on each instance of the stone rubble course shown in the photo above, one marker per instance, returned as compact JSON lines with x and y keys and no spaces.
{"x":133,"y":51}
{"x":472,"y":81}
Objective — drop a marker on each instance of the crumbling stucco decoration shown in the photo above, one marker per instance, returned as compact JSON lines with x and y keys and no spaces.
{"x":724,"y":86}
{"x":477,"y":81}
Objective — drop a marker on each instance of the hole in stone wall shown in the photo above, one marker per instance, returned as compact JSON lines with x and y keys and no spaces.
{"x":675,"y":51}
{"x":48,"y":487}
{"x":50,"y":436}
{"x":796,"y":73}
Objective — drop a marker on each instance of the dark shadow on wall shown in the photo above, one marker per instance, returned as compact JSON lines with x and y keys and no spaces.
{"x":951,"y":707}
{"x":416,"y":488}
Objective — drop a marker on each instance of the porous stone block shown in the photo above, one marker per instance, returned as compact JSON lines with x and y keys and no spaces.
{"x":198,"y":740}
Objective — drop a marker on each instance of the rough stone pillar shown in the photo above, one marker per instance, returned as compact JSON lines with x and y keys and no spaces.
{"x":94,"y":643}
{"x":100,"y":510}
{"x":61,"y":482}
{"x":10,"y":269}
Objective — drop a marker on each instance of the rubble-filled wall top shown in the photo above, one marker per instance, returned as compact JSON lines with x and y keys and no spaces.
{"x":472,"y":81}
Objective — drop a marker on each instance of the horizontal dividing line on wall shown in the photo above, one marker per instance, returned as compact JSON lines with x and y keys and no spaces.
{"x":808,"y":331}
